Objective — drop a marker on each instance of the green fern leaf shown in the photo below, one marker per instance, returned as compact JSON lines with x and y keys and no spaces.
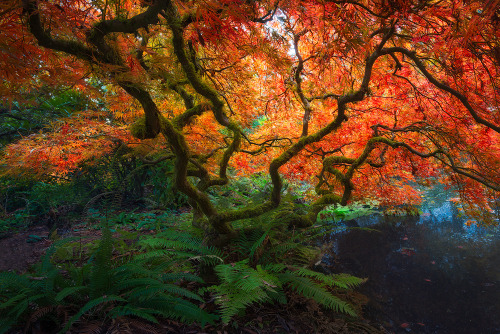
{"x":177,"y":290}
{"x":68,"y":291}
{"x":6,"y":325}
{"x":90,"y":305}
{"x":13,"y":301}
{"x":310,"y":289}
{"x":176,"y":277}
{"x":100,"y":278}
{"x":258,"y":243}
{"x":121,"y":311}
{"x":348,"y":280}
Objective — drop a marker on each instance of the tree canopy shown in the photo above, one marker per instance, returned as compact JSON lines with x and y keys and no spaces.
{"x":361,"y":98}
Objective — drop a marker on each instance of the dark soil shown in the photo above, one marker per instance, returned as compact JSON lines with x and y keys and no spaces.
{"x":20,"y":250}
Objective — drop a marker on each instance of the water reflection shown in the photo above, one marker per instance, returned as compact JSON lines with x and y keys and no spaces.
{"x":427,"y":274}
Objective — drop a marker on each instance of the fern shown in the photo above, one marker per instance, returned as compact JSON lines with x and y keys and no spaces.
{"x":38,"y":314}
{"x":146,"y":286}
{"x":100,"y":280}
{"x":344,"y":281}
{"x":172,"y":307}
{"x":179,"y":247}
{"x":70,"y":290}
{"x":121,"y":311}
{"x":87,"y":307}
{"x":242,"y":286}
{"x":311,"y":289}
{"x":6,"y":325}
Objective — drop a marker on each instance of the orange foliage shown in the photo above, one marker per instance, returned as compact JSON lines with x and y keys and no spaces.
{"x":66,"y":145}
{"x":426,"y":107}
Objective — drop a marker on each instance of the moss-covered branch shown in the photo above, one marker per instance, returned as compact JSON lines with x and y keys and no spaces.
{"x":183,"y":119}
{"x":315,"y":208}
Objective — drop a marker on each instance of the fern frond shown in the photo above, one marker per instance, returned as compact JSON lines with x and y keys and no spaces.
{"x":310,"y":289}
{"x":68,"y":291}
{"x":131,"y":283}
{"x":20,"y":308}
{"x":10,"y":280}
{"x":176,"y":277}
{"x":348,"y":280}
{"x":257,"y":244}
{"x":156,"y":243}
{"x":139,"y":268}
{"x":100,"y":278}
{"x":234,"y":301}
{"x":126,"y":310}
{"x":189,"y":312}
{"x":177,"y":290}
{"x":6,"y":325}
{"x":242,"y":286}
{"x":13,"y":301}
{"x":90,"y":305}
{"x":210,"y":260}
{"x":147,"y":291}
{"x":249,"y":239}
{"x":344,"y":281}
{"x":177,"y":308}
{"x":275,"y":267}
{"x":165,"y":254}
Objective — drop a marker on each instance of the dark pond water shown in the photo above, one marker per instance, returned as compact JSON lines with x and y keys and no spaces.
{"x":427,"y":274}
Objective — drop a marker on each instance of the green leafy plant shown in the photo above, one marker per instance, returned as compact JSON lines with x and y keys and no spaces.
{"x":15,"y":220}
{"x":337,"y":213}
{"x":268,"y":262}
{"x":242,"y":285}
{"x":39,"y":108}
{"x":182,"y":247}
{"x":147,"y":286}
{"x":149,"y":220}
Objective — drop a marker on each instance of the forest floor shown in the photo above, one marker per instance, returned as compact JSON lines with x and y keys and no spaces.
{"x":18,"y":251}
{"x":22,"y":249}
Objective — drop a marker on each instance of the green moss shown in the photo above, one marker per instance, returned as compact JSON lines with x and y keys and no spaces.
{"x":138,"y":128}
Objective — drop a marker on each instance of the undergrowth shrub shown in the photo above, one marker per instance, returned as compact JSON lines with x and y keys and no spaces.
{"x":39,"y":108}
{"x":114,"y":182}
{"x":61,"y":294}
{"x":268,"y":261}
{"x":242,"y":285}
{"x":159,"y":276}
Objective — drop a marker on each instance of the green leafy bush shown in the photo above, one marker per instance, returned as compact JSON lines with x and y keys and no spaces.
{"x":146,"y":286}
{"x":337,"y":213}
{"x":39,"y":109}
{"x":242,"y":285}
{"x":267,"y":262}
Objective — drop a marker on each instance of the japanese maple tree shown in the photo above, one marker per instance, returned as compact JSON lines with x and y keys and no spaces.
{"x":358,"y":97}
